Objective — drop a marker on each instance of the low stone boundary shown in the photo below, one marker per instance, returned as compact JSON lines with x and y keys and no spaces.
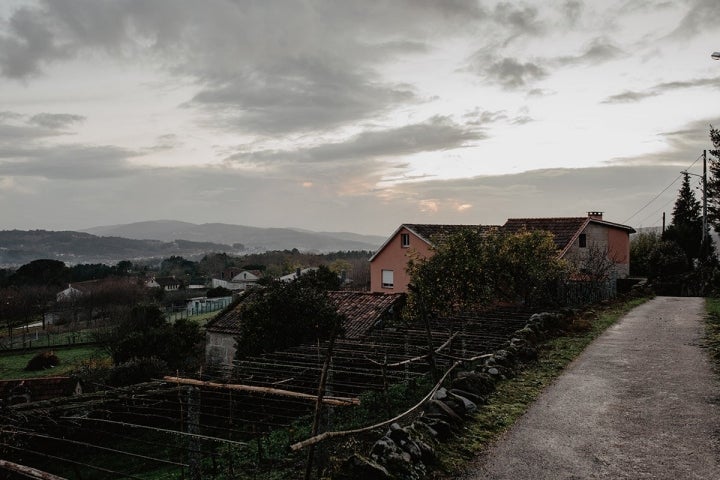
{"x":407,"y":452}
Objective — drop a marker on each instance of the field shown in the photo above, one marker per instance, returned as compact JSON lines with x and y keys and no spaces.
{"x":13,"y":366}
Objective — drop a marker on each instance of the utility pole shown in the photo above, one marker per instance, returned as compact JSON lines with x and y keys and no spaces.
{"x":663,"y":230}
{"x":704,"y":222}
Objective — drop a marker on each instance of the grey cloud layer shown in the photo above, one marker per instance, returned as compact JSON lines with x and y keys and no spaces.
{"x":634,"y":96}
{"x":267,"y":67}
{"x":617,"y":190}
{"x":26,"y":151}
{"x":438,"y":133}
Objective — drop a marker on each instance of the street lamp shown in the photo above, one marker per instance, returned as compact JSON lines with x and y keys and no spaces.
{"x":715,"y":56}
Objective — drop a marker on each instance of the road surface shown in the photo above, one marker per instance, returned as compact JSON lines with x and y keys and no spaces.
{"x":641,"y":402}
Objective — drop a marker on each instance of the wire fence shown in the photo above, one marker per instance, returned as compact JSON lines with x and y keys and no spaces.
{"x":36,"y":338}
{"x":239,"y":421}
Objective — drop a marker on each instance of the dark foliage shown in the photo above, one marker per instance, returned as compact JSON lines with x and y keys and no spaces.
{"x":137,"y":370}
{"x":713,"y":184}
{"x":45,"y":272}
{"x":285,"y":314}
{"x":320,"y":279}
{"x":42,"y":361}
{"x":686,"y":227}
{"x":218,"y":292}
{"x":178,"y":267}
{"x":641,"y":247}
{"x":95,"y":271}
{"x":473,"y":269}
{"x":145,"y":333}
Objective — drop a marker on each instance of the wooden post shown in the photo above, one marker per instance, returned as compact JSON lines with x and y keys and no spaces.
{"x":385,"y":386}
{"x":428,"y":333}
{"x":28,"y":471}
{"x":193,"y":428}
{"x":320,"y":395}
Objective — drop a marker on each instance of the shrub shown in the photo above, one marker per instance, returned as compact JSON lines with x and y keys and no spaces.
{"x":137,"y":370}
{"x":43,"y":361}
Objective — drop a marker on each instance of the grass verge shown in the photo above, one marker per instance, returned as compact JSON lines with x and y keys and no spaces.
{"x":712,"y":330}
{"x":513,"y":397}
{"x":13,"y":366}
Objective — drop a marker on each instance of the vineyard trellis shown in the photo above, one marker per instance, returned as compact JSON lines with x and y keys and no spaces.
{"x":231,"y":421}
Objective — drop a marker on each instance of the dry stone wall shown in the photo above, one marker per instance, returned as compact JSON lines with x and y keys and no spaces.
{"x":406,"y":452}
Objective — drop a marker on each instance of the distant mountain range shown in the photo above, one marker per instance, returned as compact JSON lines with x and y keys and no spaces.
{"x":163,"y":238}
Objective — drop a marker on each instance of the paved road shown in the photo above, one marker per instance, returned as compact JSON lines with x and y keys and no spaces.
{"x":641,"y":402}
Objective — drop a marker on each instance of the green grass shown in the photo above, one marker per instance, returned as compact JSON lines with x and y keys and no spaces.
{"x":13,"y":366}
{"x":712,"y":330}
{"x":203,"y":318}
{"x":513,"y":397}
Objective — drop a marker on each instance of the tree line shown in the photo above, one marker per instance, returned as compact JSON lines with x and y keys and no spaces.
{"x":682,"y":259}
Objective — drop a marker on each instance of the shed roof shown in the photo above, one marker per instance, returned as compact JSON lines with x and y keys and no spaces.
{"x":361,"y":310}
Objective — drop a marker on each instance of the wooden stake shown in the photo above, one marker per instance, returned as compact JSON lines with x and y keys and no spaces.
{"x":28,"y":471}
{"x":338,"y":401}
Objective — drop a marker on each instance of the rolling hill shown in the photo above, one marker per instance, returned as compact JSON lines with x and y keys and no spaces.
{"x":161,"y":239}
{"x":249,"y":239}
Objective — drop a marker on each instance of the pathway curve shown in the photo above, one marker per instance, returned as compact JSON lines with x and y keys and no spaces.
{"x":641,"y":402}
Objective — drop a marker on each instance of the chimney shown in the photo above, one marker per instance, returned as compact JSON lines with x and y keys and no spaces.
{"x":595,"y":215}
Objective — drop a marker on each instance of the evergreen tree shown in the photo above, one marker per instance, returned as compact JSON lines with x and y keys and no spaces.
{"x":686,"y":228}
{"x":713,"y":181}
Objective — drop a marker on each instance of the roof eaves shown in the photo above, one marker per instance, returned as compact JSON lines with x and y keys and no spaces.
{"x":574,"y":237}
{"x":614,"y":225}
{"x":389,"y":239}
{"x":417,"y":234}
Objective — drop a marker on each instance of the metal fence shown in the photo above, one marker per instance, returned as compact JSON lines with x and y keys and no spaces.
{"x":37,"y":338}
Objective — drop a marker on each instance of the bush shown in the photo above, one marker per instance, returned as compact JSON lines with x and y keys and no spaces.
{"x":42,"y":361}
{"x":146,"y":333}
{"x":218,"y":292}
{"x":137,"y":370}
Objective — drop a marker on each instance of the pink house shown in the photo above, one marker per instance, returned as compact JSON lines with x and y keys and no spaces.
{"x":575,"y":237}
{"x":388,"y":266}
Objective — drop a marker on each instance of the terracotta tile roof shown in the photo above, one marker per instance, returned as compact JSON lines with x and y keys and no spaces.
{"x":363,"y":309}
{"x":434,"y":232}
{"x":563,"y":229}
{"x":229,"y":320}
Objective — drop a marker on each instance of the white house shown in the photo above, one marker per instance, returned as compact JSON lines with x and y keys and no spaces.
{"x":241,"y":281}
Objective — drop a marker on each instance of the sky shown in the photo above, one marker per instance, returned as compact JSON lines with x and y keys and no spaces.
{"x":351,"y":116}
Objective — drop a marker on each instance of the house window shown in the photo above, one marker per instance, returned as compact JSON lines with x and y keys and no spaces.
{"x":404,"y":239}
{"x":387,"y":279}
{"x":583,"y":240}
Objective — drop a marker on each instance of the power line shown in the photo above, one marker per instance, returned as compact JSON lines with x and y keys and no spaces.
{"x":663,"y":191}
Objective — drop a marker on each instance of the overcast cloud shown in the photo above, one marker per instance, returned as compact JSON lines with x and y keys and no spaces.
{"x":352,"y":116}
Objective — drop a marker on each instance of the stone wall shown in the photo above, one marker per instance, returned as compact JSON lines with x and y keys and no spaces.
{"x":407,"y":452}
{"x":220,"y":349}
